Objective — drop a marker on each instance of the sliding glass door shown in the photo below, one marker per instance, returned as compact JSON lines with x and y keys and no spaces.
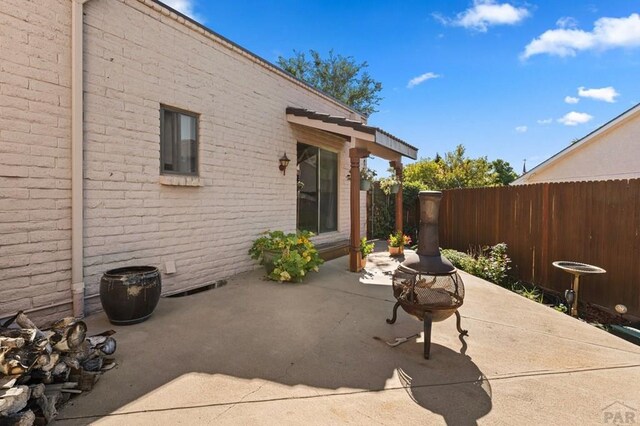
{"x":317,"y":189}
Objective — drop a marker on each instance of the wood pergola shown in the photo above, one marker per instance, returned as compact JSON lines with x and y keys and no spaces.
{"x":363,"y":141}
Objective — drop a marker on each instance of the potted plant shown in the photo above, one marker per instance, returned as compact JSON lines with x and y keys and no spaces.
{"x":390,"y":185}
{"x":366,"y":248}
{"x":286,"y":257}
{"x":366,"y":177}
{"x":397,"y":242}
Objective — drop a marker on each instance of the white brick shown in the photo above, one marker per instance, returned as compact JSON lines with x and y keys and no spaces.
{"x":135,"y":59}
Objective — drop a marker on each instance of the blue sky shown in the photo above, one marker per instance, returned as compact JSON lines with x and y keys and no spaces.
{"x":507,"y":79}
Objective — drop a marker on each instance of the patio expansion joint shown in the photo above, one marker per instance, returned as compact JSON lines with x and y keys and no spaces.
{"x":523,"y":375}
{"x":552,"y":335}
{"x":569,"y":370}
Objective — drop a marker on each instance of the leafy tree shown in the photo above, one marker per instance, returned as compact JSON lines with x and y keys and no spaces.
{"x":338,"y":76}
{"x":505,"y":172}
{"x":454,"y":170}
{"x":426,"y":172}
{"x":463,"y":172}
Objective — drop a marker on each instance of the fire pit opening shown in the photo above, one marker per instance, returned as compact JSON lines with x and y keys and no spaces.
{"x":426,"y":285}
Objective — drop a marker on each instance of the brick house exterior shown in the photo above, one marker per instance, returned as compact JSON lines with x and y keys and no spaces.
{"x":139,"y":55}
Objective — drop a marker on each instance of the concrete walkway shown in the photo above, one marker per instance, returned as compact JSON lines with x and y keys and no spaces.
{"x":259,"y":352}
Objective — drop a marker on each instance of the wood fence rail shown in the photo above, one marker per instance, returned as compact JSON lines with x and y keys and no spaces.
{"x":591,"y":222}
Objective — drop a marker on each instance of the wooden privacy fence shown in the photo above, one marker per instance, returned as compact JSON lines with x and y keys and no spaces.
{"x":591,"y":222}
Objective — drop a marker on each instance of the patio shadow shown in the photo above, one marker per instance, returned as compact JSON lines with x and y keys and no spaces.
{"x":459,"y":403}
{"x":322,"y":338}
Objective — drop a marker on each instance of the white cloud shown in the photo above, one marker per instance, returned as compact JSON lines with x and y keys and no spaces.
{"x":486,"y":13}
{"x":567,"y":22}
{"x":571,"y":100}
{"x":608,"y":33}
{"x":421,"y":79}
{"x":521,"y":129}
{"x":607,"y":94}
{"x":574,"y":118}
{"x":185,"y":7}
{"x":545,"y":121}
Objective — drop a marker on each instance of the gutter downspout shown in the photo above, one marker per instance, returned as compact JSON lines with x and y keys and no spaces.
{"x":77,"y":155}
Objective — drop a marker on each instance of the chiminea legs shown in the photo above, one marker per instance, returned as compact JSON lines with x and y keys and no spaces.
{"x":427,"y":322}
{"x":427,"y":334}
{"x":395,"y":314}
{"x":459,"y":327}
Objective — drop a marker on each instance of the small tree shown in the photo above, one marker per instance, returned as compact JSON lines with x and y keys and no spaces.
{"x":454,"y":170}
{"x":338,"y":76}
{"x":505,"y":172}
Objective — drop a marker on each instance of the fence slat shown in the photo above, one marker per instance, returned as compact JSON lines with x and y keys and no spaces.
{"x":591,"y":222}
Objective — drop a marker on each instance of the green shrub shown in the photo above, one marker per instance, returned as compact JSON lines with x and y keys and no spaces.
{"x":492,"y":264}
{"x":293,"y":254}
{"x":382,"y":214}
{"x":489,"y":263}
{"x":459,"y":259}
{"x":531,"y":293}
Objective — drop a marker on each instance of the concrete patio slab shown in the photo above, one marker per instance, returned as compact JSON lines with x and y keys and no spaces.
{"x":259,"y":352}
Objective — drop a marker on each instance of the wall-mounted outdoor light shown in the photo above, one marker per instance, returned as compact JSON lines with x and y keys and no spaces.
{"x":284,"y":162}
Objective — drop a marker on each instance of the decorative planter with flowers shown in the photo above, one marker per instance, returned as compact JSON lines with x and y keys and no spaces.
{"x":366,"y":177}
{"x":390,"y":184}
{"x":286,"y":257}
{"x":397,"y":242}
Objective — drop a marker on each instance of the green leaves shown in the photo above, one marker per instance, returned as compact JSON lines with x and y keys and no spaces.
{"x":366,"y":248}
{"x":295,"y":254}
{"x":489,"y":263}
{"x":456,"y":170}
{"x":338,"y":76}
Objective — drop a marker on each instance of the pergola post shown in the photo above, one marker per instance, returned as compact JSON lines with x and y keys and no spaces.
{"x":355,"y":154}
{"x":397,"y":166}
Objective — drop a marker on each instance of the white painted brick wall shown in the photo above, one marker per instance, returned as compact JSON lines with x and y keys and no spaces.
{"x":136,"y":59}
{"x":35,"y":216}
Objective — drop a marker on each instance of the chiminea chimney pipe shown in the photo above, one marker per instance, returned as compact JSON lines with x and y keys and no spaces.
{"x":429,"y":242}
{"x":428,"y":258}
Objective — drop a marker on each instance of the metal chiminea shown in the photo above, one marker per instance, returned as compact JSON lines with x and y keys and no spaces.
{"x":426,"y":285}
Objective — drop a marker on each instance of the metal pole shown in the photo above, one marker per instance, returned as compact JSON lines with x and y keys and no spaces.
{"x":574,"y":286}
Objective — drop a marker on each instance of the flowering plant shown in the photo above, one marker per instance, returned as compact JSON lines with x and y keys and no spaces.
{"x":367,"y":174}
{"x":399,"y":240}
{"x":366,"y":248}
{"x":287,"y":257}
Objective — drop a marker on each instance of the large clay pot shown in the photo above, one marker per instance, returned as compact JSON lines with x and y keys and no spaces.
{"x":129,"y":295}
